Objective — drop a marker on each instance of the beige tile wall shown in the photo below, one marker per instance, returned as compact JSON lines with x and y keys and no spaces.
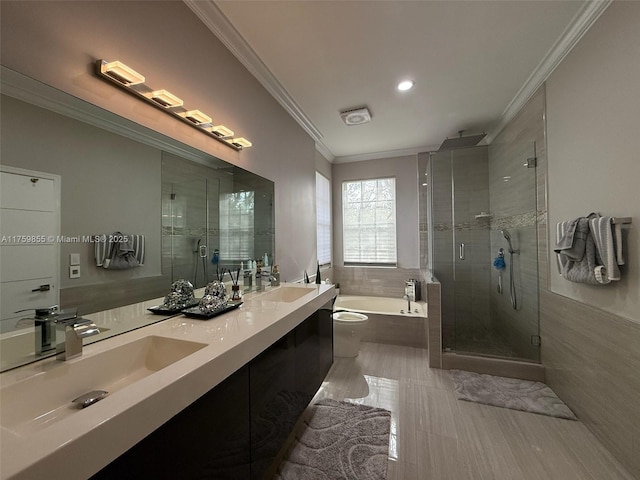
{"x":384,"y":282}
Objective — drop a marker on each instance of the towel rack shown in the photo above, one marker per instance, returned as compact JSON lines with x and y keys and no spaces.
{"x":622,"y":220}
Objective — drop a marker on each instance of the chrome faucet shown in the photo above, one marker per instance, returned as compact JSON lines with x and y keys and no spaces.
{"x":44,"y":322}
{"x":408,"y":297}
{"x":411,"y":291}
{"x":47,"y":339}
{"x":75,"y":329}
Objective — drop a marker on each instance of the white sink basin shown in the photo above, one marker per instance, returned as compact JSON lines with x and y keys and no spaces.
{"x":286,"y":294}
{"x":43,"y":399}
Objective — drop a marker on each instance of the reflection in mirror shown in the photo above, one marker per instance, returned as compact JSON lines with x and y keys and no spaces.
{"x":214,"y":220}
{"x":198,"y":214}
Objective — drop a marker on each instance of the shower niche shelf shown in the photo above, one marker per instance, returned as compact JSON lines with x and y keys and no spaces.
{"x":484,"y":216}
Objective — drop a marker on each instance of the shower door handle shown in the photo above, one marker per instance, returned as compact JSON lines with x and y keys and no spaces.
{"x":462,"y":251}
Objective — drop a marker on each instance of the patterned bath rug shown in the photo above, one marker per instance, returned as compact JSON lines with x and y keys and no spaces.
{"x":511,"y":393}
{"x":340,"y":440}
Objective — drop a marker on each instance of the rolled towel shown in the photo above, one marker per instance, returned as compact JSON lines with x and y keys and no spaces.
{"x":618,"y":238}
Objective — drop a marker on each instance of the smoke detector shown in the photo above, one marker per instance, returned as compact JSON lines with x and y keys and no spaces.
{"x":356,"y":116}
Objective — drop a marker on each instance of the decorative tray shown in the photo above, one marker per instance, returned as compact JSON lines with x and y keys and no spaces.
{"x":162,"y":310}
{"x":195,"y":312}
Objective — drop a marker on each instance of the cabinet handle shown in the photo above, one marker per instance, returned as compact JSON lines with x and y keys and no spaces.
{"x":42,"y":288}
{"x":462,"y":251}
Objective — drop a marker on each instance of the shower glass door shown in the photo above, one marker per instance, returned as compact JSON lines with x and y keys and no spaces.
{"x":513,"y":204}
{"x":190,"y":227}
{"x":477,"y":194}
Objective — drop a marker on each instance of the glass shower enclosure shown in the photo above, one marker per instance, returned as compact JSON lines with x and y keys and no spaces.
{"x":483,"y":248}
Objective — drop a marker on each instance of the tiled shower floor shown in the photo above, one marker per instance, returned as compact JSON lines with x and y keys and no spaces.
{"x":437,"y":437}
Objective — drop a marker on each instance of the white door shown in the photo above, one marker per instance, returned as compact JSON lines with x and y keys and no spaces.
{"x":29,"y":251}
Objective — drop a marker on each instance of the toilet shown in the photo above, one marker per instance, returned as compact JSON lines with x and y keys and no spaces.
{"x":347,"y":332}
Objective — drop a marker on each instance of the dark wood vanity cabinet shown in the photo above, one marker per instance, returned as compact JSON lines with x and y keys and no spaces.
{"x":236,"y":430}
{"x":283,"y":380}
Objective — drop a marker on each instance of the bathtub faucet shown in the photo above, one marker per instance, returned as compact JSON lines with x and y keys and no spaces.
{"x":411,"y":290}
{"x":408,"y":297}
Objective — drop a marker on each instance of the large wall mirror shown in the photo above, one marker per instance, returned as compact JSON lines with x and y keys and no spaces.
{"x":197,"y":214}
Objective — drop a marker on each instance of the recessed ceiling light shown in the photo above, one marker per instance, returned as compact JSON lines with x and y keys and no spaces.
{"x":405,"y":85}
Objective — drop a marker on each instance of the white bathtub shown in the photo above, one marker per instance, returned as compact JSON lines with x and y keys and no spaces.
{"x":389,"y":321}
{"x":379,"y":305}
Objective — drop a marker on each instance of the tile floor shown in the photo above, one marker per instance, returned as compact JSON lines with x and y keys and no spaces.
{"x":437,"y":437}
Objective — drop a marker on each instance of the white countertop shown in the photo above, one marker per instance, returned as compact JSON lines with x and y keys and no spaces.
{"x":85,"y":441}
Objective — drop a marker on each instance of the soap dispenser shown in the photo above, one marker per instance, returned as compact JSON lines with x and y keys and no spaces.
{"x":275,"y":277}
{"x":259,"y":276}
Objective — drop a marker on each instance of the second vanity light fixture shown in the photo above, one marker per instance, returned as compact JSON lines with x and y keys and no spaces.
{"x":124,"y":76}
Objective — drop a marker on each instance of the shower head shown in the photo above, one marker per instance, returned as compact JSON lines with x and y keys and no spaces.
{"x":507,"y":236}
{"x":461,"y":142}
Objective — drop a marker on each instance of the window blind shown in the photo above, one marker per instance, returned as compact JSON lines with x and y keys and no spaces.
{"x":369,"y":222}
{"x":323,"y":218}
{"x":236,"y":225}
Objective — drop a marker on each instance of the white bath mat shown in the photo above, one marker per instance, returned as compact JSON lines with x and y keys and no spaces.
{"x":511,"y":393}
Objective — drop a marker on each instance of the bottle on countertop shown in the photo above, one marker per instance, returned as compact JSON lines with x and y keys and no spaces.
{"x":275,"y":277}
{"x":258,"y":275}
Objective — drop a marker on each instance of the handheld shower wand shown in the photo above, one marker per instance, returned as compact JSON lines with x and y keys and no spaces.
{"x":507,"y":237}
{"x":512,"y":283}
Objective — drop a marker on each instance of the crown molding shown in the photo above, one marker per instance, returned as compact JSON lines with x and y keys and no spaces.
{"x":325,"y":152}
{"x":363,"y":157}
{"x":216,"y":21}
{"x":580,"y":24}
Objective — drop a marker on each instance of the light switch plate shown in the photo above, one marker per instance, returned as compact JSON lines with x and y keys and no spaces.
{"x":74,"y":259}
{"x":74,"y":271}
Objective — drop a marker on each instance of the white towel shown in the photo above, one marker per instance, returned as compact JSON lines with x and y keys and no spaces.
{"x":561,"y":228}
{"x":603,"y":237}
{"x":618,"y":237}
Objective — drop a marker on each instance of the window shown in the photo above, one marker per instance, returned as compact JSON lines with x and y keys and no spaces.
{"x":369,"y":222}
{"x":236,"y":225}
{"x":323,"y":219}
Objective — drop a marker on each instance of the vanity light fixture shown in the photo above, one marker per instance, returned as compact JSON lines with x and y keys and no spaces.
{"x":220,"y":131}
{"x":196,"y":117}
{"x":121,"y":73}
{"x":165,"y":99}
{"x":127,"y":78}
{"x":240,"y":142}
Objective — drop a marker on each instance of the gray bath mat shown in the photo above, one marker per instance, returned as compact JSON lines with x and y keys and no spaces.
{"x":511,"y":393}
{"x":340,"y":440}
